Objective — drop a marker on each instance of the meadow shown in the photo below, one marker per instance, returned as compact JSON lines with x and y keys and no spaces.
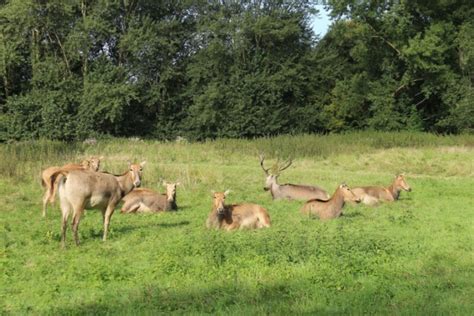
{"x":414,"y":256}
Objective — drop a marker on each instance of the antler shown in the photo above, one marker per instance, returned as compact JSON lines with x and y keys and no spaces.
{"x":262,"y":158}
{"x":288,"y":163}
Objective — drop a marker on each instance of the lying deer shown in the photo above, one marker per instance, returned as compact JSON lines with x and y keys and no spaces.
{"x":236,"y":216}
{"x":145,"y":200}
{"x":289,"y":191}
{"x":372,"y":195}
{"x":93,"y":164}
{"x":331,"y":208}
{"x":84,"y":189}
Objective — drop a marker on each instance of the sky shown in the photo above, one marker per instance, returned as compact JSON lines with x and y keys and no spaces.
{"x":321,"y":21}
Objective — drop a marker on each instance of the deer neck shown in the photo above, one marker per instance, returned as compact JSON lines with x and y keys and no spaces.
{"x":275,"y":187}
{"x":394,"y":191}
{"x":336,"y":201}
{"x":217,"y":218}
{"x":171,"y":202}
{"x":125,"y":182}
{"x":171,"y":198}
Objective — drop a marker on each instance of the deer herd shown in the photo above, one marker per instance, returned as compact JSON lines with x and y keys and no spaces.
{"x":82,"y":186}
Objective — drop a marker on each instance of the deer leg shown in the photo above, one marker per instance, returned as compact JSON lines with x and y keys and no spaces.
{"x":134,"y":208}
{"x":107,"y":215}
{"x":46,"y":198}
{"x":130,"y":206}
{"x":75,"y":225}
{"x":65,"y":210}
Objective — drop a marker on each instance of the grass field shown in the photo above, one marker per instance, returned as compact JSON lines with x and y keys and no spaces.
{"x":414,"y":256}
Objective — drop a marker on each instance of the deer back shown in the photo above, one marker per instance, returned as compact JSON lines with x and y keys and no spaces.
{"x":91,"y":188}
{"x":371,"y":194}
{"x":245,"y":215}
{"x":301,"y":192}
{"x":147,"y":200}
{"x":328,"y":209}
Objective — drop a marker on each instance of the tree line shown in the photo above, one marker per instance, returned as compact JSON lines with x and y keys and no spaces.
{"x":204,"y":69}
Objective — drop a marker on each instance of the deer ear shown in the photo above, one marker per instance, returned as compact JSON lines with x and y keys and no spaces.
{"x":226,"y":192}
{"x":212,"y":193}
{"x":129,"y":163}
{"x":143,"y":163}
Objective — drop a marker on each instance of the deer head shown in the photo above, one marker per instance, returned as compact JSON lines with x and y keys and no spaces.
{"x":94,"y":163}
{"x":348,"y":195}
{"x":136,"y":172}
{"x":219,"y":201}
{"x":273,"y":172}
{"x":400,"y":183}
{"x":171,"y":189}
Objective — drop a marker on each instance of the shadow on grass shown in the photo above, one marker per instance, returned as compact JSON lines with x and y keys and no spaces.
{"x":124,"y":229}
{"x":231,"y":298}
{"x":277,"y":297}
{"x":352,"y":214}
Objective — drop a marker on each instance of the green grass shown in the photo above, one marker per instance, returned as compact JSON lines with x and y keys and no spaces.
{"x":414,"y":256}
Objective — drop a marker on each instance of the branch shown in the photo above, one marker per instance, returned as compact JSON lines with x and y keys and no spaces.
{"x":64,"y":53}
{"x":403,"y":86}
{"x":383,"y":38}
{"x":388,"y":43}
{"x":424,"y":99}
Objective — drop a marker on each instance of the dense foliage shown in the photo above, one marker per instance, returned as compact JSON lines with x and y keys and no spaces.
{"x":205,"y":69}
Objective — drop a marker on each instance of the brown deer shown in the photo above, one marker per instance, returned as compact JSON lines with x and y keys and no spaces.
{"x":92,"y":163}
{"x":331,"y":208}
{"x":236,"y":216}
{"x":372,"y":195}
{"x":145,"y":200}
{"x":84,"y":189}
{"x":289,"y":191}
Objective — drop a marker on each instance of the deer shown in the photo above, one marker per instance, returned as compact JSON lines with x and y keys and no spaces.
{"x":372,"y":195}
{"x":289,"y":191}
{"x":236,"y":216}
{"x":144,"y":200}
{"x":331,"y":208}
{"x":85,"y":189}
{"x":92,"y":163}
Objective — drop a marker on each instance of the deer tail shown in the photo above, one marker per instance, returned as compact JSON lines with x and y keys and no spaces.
{"x":52,"y":181}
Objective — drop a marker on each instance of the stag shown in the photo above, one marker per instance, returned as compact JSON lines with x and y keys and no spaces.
{"x":289,"y":191}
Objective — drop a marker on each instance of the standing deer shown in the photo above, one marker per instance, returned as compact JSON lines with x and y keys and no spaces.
{"x":79,"y":190}
{"x":372,"y":195}
{"x":236,"y":216}
{"x":145,"y":200}
{"x":331,"y":208}
{"x":289,"y":191}
{"x":93,"y":164}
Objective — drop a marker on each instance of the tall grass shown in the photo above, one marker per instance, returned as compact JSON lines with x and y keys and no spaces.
{"x":24,"y":159}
